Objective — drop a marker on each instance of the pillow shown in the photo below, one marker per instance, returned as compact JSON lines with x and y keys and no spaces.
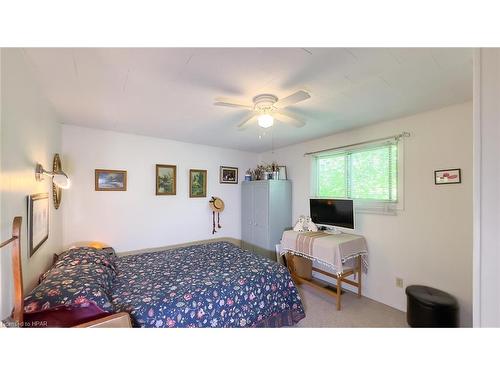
{"x":94,"y":244}
{"x":74,"y":285}
{"x":85,"y":255}
{"x":79,"y":276}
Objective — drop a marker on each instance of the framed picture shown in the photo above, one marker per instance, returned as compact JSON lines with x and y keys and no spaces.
{"x":110,"y":180}
{"x":197,"y":183}
{"x":447,"y":176}
{"x":282,"y":172}
{"x":228,"y":175}
{"x":166,"y":179}
{"x":38,"y":221}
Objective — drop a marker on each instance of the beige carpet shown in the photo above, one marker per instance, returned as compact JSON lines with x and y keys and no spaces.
{"x":355,"y":312}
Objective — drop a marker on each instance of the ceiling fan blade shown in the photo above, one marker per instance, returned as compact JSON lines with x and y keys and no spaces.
{"x":292,"y":99}
{"x":245,"y":121}
{"x":231,"y":103}
{"x":290,"y":118}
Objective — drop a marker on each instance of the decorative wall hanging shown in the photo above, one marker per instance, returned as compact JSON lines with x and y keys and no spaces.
{"x":197,"y":183}
{"x":447,"y":176}
{"x":228,"y":175}
{"x":166,"y":179}
{"x":110,"y":180}
{"x":217,"y":206}
{"x":38,"y":221}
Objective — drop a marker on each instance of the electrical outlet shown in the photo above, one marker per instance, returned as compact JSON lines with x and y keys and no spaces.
{"x":399,"y":282}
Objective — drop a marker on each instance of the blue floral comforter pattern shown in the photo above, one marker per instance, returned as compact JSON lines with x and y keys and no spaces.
{"x":80,"y":276}
{"x":212,"y":285}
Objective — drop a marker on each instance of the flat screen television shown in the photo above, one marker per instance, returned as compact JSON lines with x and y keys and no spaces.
{"x":332,"y":212}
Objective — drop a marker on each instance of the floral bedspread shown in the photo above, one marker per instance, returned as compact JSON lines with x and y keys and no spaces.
{"x":81,"y":276}
{"x":212,"y":285}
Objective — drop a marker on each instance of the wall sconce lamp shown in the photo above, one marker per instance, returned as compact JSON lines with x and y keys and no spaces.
{"x":60,"y":180}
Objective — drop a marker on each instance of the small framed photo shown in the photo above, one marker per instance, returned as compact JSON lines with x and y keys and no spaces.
{"x":110,"y":180}
{"x":38,"y":221}
{"x":447,"y":176}
{"x":228,"y":175}
{"x":166,"y":179}
{"x":197,"y":183}
{"x":282,"y":172}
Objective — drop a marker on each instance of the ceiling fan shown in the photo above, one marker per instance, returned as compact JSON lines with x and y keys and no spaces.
{"x":267,"y":107}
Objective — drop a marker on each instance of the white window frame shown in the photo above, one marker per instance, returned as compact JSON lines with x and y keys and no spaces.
{"x":367,"y":205}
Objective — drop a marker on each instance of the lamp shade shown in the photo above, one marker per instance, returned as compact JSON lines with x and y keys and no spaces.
{"x":61,"y":180}
{"x":265,"y":121}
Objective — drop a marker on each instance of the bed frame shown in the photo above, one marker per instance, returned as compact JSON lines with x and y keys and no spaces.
{"x":115,"y":320}
{"x":17,"y":273}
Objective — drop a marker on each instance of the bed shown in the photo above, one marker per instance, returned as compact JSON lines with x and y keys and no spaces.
{"x":209,"y":285}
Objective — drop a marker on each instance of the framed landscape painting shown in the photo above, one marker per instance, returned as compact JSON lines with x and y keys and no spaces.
{"x":197,"y":183}
{"x":166,"y":179}
{"x":228,"y":175}
{"x":110,"y":180}
{"x":38,"y":221}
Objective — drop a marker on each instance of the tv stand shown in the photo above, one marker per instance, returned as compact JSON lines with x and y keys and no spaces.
{"x":329,"y":250}
{"x":320,"y":285}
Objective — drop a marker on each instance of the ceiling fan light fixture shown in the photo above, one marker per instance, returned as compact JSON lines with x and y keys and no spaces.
{"x":265,"y":121}
{"x":267,"y":106}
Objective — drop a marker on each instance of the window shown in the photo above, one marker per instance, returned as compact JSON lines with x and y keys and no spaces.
{"x":367,"y":175}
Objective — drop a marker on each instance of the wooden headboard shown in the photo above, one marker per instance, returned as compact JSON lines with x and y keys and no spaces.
{"x":15,"y":240}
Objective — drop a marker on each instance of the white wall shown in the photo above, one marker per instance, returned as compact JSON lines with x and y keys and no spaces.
{"x":487,"y":188}
{"x":137,"y":218}
{"x":29,"y":134}
{"x":430,"y":241}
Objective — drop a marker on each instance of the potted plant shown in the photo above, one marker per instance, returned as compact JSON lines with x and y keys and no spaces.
{"x":268,"y":172}
{"x":260,"y":172}
{"x":248,"y":174}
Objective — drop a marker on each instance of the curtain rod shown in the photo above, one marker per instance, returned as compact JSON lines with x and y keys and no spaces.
{"x":397,"y":137}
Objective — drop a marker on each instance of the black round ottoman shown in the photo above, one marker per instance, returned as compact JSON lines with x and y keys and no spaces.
{"x":430,"y":307}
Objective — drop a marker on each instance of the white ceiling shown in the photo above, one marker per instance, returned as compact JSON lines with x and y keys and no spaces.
{"x":169,"y":92}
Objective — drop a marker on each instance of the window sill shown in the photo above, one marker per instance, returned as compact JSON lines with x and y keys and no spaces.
{"x":378,"y":208}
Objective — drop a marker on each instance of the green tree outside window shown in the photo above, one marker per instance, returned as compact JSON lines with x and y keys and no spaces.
{"x":365,"y":174}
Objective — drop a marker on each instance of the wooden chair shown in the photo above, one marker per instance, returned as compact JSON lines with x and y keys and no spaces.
{"x":18,"y":316}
